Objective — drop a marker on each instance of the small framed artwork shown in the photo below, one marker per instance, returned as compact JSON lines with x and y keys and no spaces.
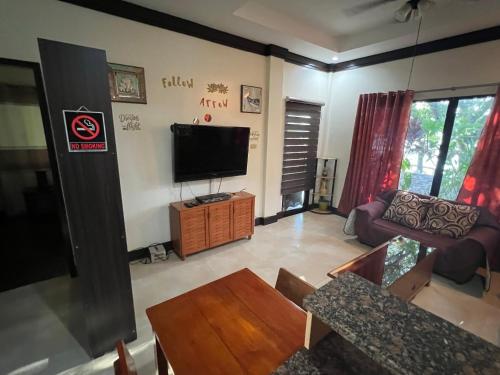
{"x":251,"y":99}
{"x":127,"y":83}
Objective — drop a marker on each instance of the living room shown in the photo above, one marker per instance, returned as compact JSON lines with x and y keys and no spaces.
{"x":425,"y":85}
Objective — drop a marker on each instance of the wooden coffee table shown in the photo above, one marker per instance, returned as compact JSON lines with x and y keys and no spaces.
{"x":401,"y":265}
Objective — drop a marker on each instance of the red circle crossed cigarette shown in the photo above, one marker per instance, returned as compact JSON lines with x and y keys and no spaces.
{"x":85,"y":127}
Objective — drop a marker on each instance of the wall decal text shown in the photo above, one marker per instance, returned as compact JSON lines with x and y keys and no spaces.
{"x":211,"y":103}
{"x":176,"y":81}
{"x":130,"y":121}
{"x":254,"y":136}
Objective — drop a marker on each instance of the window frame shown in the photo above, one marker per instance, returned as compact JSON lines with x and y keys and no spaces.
{"x":449,"y":122}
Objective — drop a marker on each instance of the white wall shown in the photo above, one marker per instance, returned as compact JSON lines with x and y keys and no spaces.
{"x":472,"y":65}
{"x":310,"y":85}
{"x":274,"y":137}
{"x":144,"y":157}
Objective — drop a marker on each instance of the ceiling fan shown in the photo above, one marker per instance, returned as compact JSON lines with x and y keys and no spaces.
{"x":410,"y":10}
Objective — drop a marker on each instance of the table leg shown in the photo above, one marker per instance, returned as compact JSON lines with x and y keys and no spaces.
{"x":161,"y":360}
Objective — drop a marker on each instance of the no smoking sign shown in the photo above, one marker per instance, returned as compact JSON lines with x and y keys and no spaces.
{"x":85,"y":131}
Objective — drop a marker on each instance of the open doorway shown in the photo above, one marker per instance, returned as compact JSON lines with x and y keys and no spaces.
{"x":32,"y":244}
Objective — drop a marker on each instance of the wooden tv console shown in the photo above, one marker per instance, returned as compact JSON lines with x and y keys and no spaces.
{"x":208,"y":225}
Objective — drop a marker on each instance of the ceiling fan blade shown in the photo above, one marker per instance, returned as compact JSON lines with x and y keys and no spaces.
{"x":358,"y":9}
{"x":424,"y":5}
{"x":404,"y":13}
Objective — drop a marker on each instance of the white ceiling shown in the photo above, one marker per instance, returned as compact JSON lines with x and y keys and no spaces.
{"x":321,"y":29}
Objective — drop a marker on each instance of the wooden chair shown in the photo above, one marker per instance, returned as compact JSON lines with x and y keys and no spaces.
{"x":125,"y":364}
{"x":293,"y":287}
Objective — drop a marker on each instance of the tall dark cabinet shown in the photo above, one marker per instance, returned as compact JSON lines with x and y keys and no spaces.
{"x":76,"y":77}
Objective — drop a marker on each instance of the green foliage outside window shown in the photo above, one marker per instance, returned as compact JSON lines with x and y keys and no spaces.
{"x":424,"y":140}
{"x":470,"y":118}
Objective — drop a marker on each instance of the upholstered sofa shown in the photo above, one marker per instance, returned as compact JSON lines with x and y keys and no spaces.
{"x":458,"y":259}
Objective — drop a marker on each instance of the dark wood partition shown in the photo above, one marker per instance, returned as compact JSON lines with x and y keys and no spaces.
{"x":76,"y":76}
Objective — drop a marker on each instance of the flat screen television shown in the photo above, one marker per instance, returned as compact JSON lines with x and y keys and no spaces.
{"x":202,"y":152}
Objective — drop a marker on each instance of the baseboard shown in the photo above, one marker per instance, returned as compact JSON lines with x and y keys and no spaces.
{"x":338,"y":213}
{"x":273,"y":219}
{"x":143,"y":252}
{"x":269,"y":219}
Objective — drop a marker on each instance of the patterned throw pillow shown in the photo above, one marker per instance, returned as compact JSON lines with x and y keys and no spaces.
{"x":407,"y":209}
{"x":453,"y":220}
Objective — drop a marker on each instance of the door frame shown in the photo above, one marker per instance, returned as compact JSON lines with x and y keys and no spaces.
{"x":54,"y":166}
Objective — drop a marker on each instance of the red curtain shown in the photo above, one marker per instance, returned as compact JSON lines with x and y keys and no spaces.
{"x":481,"y":185}
{"x":377,"y":147}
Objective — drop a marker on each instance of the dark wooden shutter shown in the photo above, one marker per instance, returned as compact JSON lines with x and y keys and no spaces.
{"x":300,"y":147}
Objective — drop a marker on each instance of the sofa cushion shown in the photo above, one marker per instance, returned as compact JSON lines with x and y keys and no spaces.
{"x":452,"y":220}
{"x":426,"y":238}
{"x":407,"y":209}
{"x":456,"y":259}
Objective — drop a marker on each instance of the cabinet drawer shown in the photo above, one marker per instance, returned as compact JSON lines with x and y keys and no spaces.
{"x":193,"y":231}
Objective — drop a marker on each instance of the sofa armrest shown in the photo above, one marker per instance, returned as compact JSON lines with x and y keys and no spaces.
{"x":489,"y":239}
{"x":371,"y":211}
{"x":364,"y":227}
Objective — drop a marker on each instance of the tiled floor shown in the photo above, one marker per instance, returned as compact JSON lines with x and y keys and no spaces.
{"x":307,"y":244}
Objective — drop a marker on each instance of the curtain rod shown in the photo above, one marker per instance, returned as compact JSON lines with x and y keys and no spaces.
{"x":453,"y":88}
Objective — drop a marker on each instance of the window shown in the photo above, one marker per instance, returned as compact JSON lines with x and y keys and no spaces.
{"x":441,"y":140}
{"x":294,"y":201}
{"x":299,"y":154}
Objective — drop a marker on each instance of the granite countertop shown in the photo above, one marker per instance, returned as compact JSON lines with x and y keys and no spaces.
{"x":332,"y":355}
{"x":399,"y":336}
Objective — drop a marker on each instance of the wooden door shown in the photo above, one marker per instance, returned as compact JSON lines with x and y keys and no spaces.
{"x":220,"y":223}
{"x":194,"y":230}
{"x":243,"y":218}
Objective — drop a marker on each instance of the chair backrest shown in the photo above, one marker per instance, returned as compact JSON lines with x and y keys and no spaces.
{"x":125,"y":364}
{"x":293,"y":287}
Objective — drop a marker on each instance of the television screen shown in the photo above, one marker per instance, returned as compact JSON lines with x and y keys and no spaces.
{"x":203,"y":152}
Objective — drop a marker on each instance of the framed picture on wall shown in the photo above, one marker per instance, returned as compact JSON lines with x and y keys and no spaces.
{"x":127,"y":83}
{"x":251,"y":99}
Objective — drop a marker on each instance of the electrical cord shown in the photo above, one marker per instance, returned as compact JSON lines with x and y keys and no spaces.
{"x":181,"y":192}
{"x":220,"y":182}
{"x":414,"y":53}
{"x":191,"y":190}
